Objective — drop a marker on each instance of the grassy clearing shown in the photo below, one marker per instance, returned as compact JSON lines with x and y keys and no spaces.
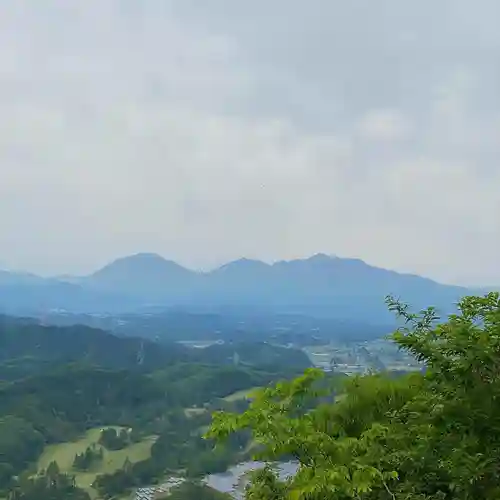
{"x":64,"y":454}
{"x":244,"y":394}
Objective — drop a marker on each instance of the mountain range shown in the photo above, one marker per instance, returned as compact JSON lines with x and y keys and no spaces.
{"x":318,"y":286}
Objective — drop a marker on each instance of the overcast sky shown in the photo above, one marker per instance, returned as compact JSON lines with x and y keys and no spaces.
{"x":210,"y":130}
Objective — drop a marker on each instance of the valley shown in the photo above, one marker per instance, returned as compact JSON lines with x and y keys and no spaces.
{"x":63,"y":388}
{"x":124,"y":405}
{"x":63,"y":384}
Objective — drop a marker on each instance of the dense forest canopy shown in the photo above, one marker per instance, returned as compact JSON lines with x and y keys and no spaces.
{"x":430,"y":435}
{"x":28,"y":347}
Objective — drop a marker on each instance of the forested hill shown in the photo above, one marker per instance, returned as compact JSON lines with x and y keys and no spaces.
{"x":24,"y":342}
{"x":27,"y":347}
{"x":61,"y":384}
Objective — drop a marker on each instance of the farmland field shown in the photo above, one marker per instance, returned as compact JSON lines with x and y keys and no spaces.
{"x":64,"y":455}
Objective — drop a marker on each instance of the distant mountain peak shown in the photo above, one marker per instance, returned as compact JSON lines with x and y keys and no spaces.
{"x":340,"y":262}
{"x":321,"y":257}
{"x":144,"y":261}
{"x":244,"y":262}
{"x":321,"y":282}
{"x":143,"y":257}
{"x":316,"y":258}
{"x":143,"y":273}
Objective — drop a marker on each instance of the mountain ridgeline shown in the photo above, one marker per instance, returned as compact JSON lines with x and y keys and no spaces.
{"x":28,"y":348}
{"x":320,"y":286}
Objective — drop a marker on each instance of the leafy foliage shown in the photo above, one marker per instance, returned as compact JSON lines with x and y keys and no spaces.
{"x":428,"y":435}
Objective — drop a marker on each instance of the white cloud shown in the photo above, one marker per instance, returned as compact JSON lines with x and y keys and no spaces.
{"x":384,"y":125}
{"x":164,"y":126}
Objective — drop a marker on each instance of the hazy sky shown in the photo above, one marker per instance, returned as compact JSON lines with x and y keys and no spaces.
{"x":210,"y":130}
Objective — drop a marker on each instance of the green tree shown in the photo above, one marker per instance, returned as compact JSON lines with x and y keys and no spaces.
{"x":20,"y":444}
{"x":113,"y":439}
{"x":428,"y":435}
{"x":49,"y":486}
{"x":87,"y":459}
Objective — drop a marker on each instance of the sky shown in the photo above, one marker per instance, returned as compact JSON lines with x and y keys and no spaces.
{"x":208,"y":131}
